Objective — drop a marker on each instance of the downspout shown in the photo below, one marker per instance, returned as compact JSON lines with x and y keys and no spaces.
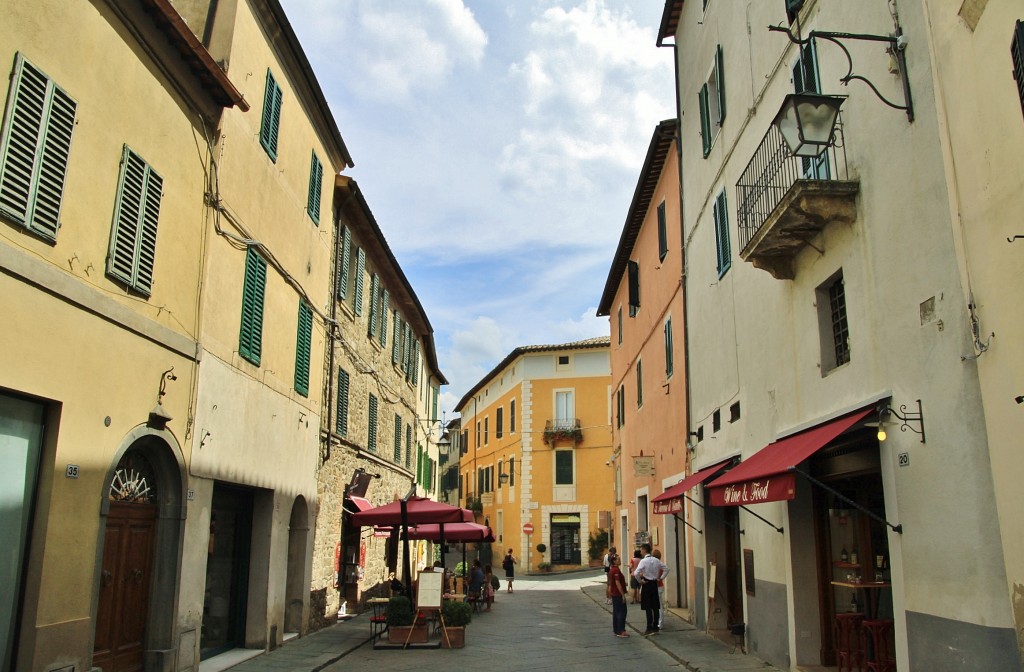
{"x":682,"y":570}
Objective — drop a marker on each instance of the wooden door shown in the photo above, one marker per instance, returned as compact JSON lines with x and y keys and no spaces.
{"x":124,"y":587}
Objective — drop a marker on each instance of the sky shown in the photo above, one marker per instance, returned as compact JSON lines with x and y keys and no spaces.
{"x":498,"y":144}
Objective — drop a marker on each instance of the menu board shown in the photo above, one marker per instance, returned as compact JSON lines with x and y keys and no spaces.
{"x":428,"y":590}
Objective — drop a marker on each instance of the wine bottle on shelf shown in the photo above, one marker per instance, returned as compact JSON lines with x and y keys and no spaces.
{"x":844,"y":556}
{"x":854,"y":607}
{"x":853,"y":555}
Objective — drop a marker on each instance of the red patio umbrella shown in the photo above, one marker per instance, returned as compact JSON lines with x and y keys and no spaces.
{"x":451,"y":532}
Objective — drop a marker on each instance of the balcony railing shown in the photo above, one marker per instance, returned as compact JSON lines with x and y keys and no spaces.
{"x":563,"y":429}
{"x":783,"y":201}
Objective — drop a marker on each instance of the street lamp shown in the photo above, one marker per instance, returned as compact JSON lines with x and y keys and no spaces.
{"x":807,"y":122}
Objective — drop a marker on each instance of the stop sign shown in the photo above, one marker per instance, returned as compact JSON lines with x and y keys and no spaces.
{"x":528,"y":528}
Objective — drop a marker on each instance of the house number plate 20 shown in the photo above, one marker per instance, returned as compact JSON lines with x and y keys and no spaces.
{"x":903,"y":459}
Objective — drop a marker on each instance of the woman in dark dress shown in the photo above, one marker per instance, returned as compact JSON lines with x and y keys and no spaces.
{"x":509,"y":565}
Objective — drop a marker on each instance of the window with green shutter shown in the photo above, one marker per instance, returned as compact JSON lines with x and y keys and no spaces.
{"x":270,"y":123}
{"x":341,"y":422}
{"x":371,"y":430}
{"x":398,"y":439}
{"x":396,"y":339}
{"x":662,"y":232}
{"x":373,"y":323}
{"x":344,"y":261}
{"x":250,"y":339}
{"x":408,"y":446}
{"x":34,"y":150}
{"x":415,"y":363}
{"x":357,"y":298}
{"x":705,"y":120}
{"x":633,"y":275}
{"x":721,"y":216}
{"x":712,"y":102}
{"x":316,"y":178}
{"x":1017,"y":59}
{"x":132,"y":253}
{"x":563,"y":467}
{"x":384,"y":299}
{"x":303,"y":347}
{"x":639,"y":383}
{"x":669,"y":353}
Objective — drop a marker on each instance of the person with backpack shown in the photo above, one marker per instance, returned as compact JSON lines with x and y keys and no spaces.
{"x":509,"y":565}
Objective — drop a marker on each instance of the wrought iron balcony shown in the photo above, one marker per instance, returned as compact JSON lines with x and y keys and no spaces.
{"x":567,"y":429}
{"x":784,"y":201}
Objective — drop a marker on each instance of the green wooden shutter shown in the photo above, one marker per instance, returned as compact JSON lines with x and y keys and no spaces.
{"x":374,"y":323}
{"x":357,"y":299}
{"x":371,"y":430}
{"x":398,"y":439}
{"x":633,"y":275}
{"x":132,"y":253}
{"x":344,"y":261}
{"x":563,"y":467}
{"x":408,"y":446}
{"x":303,"y":346}
{"x":416,"y":362}
{"x":721,"y":217}
{"x":662,"y":232}
{"x":384,"y":298}
{"x":34,"y":150}
{"x":316,"y":178}
{"x":669,"y":353}
{"x":1017,"y":59}
{"x":341,"y":422}
{"x":705,"y":120}
{"x":396,"y":338}
{"x":271,"y":121}
{"x":250,"y":340}
{"x":720,"y":83}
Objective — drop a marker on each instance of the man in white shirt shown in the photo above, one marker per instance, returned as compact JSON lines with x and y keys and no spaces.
{"x":661,"y":587}
{"x":647,"y":573}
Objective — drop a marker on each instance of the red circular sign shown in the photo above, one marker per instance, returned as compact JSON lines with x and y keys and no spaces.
{"x":528,"y":528}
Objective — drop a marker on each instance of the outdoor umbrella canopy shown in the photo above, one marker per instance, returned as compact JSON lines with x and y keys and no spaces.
{"x":452,"y":532}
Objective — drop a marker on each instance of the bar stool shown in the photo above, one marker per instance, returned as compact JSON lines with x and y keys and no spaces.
{"x":879,"y":633}
{"x":849,"y":642}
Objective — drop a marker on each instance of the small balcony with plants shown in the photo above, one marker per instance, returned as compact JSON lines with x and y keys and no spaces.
{"x":563,"y":431}
{"x":783,"y":201}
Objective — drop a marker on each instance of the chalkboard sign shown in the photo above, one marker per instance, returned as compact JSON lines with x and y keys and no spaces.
{"x":748,"y":569}
{"x":428,"y":590}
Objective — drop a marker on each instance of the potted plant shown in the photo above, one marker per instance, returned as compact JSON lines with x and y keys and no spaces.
{"x":400,"y":617}
{"x":544,"y":566}
{"x":457,"y":615}
{"x":574,"y":434}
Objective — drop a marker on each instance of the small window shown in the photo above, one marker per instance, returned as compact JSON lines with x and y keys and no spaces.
{"x":564,"y":467}
{"x":712,"y":102}
{"x":396,"y":340}
{"x":639,"y":383}
{"x":634,"y":287}
{"x":512,"y":416}
{"x":511,"y":471}
{"x":34,"y":150}
{"x":341,"y":422}
{"x":734,"y":412}
{"x":373,"y":322}
{"x":382,"y":332}
{"x":563,"y":363}
{"x":669,"y":349}
{"x":662,"y":232}
{"x":408,"y":446}
{"x":723,"y":249}
{"x":303,"y":348}
{"x":499,"y":422}
{"x":619,"y":329}
{"x":398,"y":439}
{"x":270,"y":123}
{"x":371,"y":429}
{"x":716,"y":420}
{"x":250,"y":339}
{"x":833,"y":325}
{"x":316,"y":178}
{"x":132,"y":252}
{"x":1017,"y":56}
{"x":342,"y":273}
{"x":486,"y":423}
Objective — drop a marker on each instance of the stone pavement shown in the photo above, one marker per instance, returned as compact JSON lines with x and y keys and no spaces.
{"x":558,"y":622}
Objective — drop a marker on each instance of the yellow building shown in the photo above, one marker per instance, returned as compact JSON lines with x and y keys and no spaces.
{"x":536,"y":450}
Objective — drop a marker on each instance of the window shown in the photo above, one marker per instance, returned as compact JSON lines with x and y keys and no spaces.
{"x":34,"y":150}
{"x":383,"y":331}
{"x":486,"y":423}
{"x":511,"y":471}
{"x":316,"y":178}
{"x":619,"y":321}
{"x":716,"y":420}
{"x":563,"y":363}
{"x":303,"y":348}
{"x":639,"y":383}
{"x":565,"y":409}
{"x":250,"y":339}
{"x":564,"y":467}
{"x":408,"y":446}
{"x":833,"y":326}
{"x":357,"y":295}
{"x":341,"y":422}
{"x":396,"y":338}
{"x":712,"y":103}
{"x":633,"y":269}
{"x":512,"y":416}
{"x":371,"y":429}
{"x":621,"y":405}
{"x":478,"y":433}
{"x":669,"y":353}
{"x":132,"y":253}
{"x":270,"y":123}
{"x":344,"y":262}
{"x":499,"y":421}
{"x":662,"y":232}
{"x":373,"y":323}
{"x":398,"y":439}
{"x":1017,"y":55}
{"x":734,"y":412}
{"x":721,"y":216}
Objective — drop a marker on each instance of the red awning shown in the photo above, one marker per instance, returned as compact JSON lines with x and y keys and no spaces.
{"x":766,"y":476}
{"x":361,"y":504}
{"x":671,"y":501}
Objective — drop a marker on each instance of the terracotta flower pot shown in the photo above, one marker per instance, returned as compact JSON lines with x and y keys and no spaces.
{"x":456,"y":637}
{"x":400,"y":634}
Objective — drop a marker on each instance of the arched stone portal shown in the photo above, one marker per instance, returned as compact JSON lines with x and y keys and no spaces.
{"x":296,"y":581}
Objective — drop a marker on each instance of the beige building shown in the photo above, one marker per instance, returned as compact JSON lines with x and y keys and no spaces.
{"x":380,"y":430}
{"x":829,"y":294}
{"x":643,"y":298}
{"x":536,"y":449}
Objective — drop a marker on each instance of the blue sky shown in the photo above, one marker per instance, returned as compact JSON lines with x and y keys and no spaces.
{"x":498,"y":144}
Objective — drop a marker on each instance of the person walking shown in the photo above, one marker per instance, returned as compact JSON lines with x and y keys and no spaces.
{"x":607,"y":565}
{"x":489,"y":581}
{"x":647,"y":573}
{"x":616,"y":592}
{"x":509,"y":565}
{"x":633,"y":583}
{"x":661,"y":587}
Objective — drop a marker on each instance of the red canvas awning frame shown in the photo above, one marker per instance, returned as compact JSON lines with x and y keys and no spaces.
{"x":671,"y":501}
{"x":768,"y":475}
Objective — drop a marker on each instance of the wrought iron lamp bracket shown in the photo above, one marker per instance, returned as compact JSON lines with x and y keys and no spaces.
{"x":905,"y":417}
{"x":897,"y":47}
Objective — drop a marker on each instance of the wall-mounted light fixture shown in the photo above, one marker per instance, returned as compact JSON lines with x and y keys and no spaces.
{"x":159,"y":417}
{"x":444,"y":444}
{"x":905,"y":417}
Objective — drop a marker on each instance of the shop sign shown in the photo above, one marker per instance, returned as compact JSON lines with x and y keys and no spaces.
{"x":643,"y":466}
{"x":674,"y":505}
{"x":771,"y":489}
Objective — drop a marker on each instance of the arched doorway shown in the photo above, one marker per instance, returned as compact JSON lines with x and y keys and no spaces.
{"x":137,"y":582}
{"x":296,"y":581}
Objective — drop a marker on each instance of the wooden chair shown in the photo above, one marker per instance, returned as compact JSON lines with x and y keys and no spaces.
{"x":849,"y":642}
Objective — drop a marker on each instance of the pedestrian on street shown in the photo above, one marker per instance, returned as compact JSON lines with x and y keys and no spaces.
{"x":616,"y":591}
{"x":647,"y":573}
{"x":661,"y":587}
{"x":476,"y":583}
{"x":509,"y":565}
{"x":489,"y":580}
{"x":633,"y":583}
{"x":608,"y":564}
